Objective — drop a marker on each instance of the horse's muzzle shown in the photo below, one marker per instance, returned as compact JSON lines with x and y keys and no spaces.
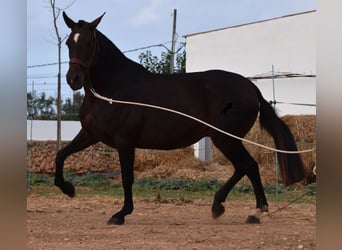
{"x":75,"y":80}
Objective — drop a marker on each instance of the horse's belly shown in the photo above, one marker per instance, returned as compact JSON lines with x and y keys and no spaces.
{"x":171,"y":137}
{"x":168,"y":143}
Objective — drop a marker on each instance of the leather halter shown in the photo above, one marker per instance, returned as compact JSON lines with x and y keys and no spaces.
{"x":75,"y":60}
{"x":86,"y":66}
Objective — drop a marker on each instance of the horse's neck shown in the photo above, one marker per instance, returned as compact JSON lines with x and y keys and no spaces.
{"x":113,"y":67}
{"x":111,"y":56}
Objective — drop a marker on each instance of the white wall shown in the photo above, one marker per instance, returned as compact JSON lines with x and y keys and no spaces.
{"x":47,"y":130}
{"x":290,"y":91}
{"x":288,"y":43}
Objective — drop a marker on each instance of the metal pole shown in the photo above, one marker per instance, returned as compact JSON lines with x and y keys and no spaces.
{"x":59,"y":108}
{"x":173,"y":44}
{"x":276,"y":156}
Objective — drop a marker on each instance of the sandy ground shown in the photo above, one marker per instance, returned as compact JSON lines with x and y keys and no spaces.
{"x":59,"y":222}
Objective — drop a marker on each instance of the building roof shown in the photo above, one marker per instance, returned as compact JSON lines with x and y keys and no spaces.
{"x":235,"y":26}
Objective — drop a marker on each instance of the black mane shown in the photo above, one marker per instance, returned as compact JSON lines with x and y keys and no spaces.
{"x":110,"y":53}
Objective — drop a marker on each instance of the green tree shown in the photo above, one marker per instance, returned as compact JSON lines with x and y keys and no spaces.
{"x":180,"y":62}
{"x":162,"y":65}
{"x":40,"y":107}
{"x":71,"y":107}
{"x":32,"y":107}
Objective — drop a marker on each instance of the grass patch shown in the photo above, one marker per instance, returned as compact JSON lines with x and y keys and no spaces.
{"x":99,"y":184}
{"x":178,"y":184}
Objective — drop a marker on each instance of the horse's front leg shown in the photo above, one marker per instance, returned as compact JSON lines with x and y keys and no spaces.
{"x":126,"y":157}
{"x":81,"y":141}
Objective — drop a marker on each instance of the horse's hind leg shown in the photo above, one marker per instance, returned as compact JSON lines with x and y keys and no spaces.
{"x":81,"y":141}
{"x":221,"y":195}
{"x":243,"y":164}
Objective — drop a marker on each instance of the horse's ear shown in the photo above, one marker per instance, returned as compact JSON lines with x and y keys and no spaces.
{"x":97,"y":21}
{"x":70,"y":23}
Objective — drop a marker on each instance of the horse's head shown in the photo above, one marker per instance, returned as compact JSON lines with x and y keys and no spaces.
{"x":82,"y":46}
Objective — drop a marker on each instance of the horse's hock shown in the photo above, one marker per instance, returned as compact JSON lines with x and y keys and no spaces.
{"x":101,"y":158}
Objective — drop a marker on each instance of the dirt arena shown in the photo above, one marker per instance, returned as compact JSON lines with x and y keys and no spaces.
{"x":59,"y":222}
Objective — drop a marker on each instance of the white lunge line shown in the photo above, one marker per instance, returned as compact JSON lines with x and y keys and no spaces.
{"x":198,"y":120}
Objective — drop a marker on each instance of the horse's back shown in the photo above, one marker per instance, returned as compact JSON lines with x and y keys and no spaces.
{"x":223,"y":99}
{"x":217,"y":93}
{"x":217,"y":84}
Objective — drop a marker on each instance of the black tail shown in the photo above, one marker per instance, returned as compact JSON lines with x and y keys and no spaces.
{"x":291,"y":165}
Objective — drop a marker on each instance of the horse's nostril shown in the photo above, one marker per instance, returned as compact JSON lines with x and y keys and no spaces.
{"x":75,"y":78}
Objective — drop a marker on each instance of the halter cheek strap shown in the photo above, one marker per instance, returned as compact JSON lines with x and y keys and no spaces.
{"x":74,"y":60}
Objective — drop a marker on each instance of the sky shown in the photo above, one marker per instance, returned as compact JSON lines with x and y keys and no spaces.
{"x":136,"y":24}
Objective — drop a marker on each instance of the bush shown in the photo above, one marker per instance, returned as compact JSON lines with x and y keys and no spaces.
{"x":178,"y":184}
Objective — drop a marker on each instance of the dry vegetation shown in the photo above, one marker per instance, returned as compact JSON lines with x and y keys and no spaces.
{"x":180,"y":163}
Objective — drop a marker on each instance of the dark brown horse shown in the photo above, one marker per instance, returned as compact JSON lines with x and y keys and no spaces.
{"x":226,"y":100}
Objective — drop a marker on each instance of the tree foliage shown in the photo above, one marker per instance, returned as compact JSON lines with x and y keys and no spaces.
{"x":71,"y":107}
{"x":40,"y":107}
{"x":162,"y":65}
{"x":180,"y":61}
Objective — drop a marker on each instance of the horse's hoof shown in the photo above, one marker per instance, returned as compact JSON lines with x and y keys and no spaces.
{"x":217,"y":210}
{"x":68,"y":189}
{"x":264,"y":209}
{"x":253,"y":219}
{"x":116,"y":221}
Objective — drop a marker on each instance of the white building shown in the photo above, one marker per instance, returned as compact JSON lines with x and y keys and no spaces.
{"x":279,"y":46}
{"x":288,"y":43}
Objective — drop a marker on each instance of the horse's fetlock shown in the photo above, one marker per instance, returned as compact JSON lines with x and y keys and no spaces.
{"x":58,"y":182}
{"x":219,"y":197}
